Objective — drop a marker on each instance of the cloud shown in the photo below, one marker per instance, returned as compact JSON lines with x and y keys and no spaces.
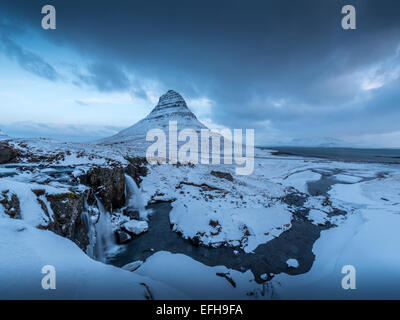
{"x":284,"y":63}
{"x":113,"y":99}
{"x":29,"y":61}
{"x":105,"y":76}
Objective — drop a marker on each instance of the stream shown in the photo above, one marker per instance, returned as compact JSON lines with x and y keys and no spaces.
{"x":268,"y":258}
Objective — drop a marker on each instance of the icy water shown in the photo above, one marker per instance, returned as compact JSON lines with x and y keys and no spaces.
{"x":390,"y":156}
{"x":269,"y":258}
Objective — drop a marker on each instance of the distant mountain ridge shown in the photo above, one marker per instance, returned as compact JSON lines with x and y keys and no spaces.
{"x":324,"y":142}
{"x":3,"y":136}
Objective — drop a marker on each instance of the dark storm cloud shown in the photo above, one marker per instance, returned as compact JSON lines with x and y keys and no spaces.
{"x":105,"y":77}
{"x":287,"y":62}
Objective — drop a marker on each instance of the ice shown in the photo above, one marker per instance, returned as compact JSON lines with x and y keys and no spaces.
{"x":292,"y":263}
{"x":299,"y":180}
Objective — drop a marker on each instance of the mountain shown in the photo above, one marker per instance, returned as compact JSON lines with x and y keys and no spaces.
{"x":171,"y":107}
{"x":324,"y":142}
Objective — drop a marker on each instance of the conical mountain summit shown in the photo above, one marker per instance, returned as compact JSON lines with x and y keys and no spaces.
{"x":171,"y":107}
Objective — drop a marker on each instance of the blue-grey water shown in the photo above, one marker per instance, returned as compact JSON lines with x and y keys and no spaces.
{"x":341,"y":154}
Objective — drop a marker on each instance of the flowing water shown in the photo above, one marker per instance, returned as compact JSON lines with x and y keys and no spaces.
{"x":134,"y":197}
{"x":105,"y":239}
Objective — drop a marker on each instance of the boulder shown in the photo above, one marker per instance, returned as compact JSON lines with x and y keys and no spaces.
{"x":222,"y":175}
{"x":122,"y":237}
{"x":7,"y":153}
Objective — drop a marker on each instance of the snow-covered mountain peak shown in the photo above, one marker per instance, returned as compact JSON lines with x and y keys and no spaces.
{"x":169,"y":98}
{"x":170,"y":107}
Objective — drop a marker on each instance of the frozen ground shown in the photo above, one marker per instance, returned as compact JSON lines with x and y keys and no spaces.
{"x":219,"y":210}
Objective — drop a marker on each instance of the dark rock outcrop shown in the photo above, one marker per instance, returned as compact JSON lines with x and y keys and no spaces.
{"x":137,"y":169}
{"x":222,"y":175}
{"x":7,"y":153}
{"x":67,"y":220}
{"x":11,"y":204}
{"x":108,"y":185}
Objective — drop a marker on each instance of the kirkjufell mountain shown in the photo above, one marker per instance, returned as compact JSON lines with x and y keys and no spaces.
{"x":171,"y":107}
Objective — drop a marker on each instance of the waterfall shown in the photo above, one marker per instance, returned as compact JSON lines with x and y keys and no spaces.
{"x":105,"y":240}
{"x":134,"y":197}
{"x":91,"y":232}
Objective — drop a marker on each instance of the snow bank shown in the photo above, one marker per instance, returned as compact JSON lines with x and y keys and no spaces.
{"x":136,"y":227}
{"x":198,"y":281}
{"x":299,"y":180}
{"x":24,"y":251}
{"x":248,"y":227}
{"x":31,"y":210}
{"x":368,"y":239}
{"x":292,"y":263}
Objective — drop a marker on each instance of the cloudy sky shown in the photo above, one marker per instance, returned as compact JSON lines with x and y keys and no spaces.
{"x":285,"y":67}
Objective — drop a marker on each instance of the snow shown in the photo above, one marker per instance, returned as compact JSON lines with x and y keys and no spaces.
{"x":136,"y":227}
{"x":317,"y":217}
{"x":368,"y":240}
{"x":171,"y":107}
{"x":292,"y":263}
{"x":196,"y":280}
{"x":132,"y":266}
{"x":245,"y":213}
{"x":299,"y":180}
{"x":347,"y":178}
{"x":233,"y":224}
{"x":26,"y":250}
{"x":31,"y":210}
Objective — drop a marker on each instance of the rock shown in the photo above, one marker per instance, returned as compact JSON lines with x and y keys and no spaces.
{"x":67,"y":222}
{"x":108,"y":184}
{"x":7,"y":153}
{"x":136,"y":227}
{"x":132,"y":213}
{"x":222,"y":175}
{"x":122,"y":237}
{"x":137,"y":169}
{"x":133,"y":265}
{"x":11,"y":204}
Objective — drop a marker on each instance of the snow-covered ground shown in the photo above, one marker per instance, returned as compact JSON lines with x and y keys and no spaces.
{"x":368,"y":240}
{"x":25,"y":250}
{"x":219,"y":208}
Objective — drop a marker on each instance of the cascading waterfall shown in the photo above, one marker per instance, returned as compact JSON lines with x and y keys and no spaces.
{"x":105,"y":240}
{"x":134,"y":197}
{"x":87,"y":222}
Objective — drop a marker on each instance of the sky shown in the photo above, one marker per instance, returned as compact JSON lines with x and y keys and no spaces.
{"x":285,"y":68}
